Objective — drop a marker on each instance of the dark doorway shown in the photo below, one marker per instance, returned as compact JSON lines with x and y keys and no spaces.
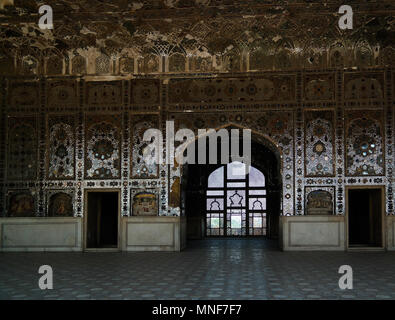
{"x":102,"y":220}
{"x":364,"y":217}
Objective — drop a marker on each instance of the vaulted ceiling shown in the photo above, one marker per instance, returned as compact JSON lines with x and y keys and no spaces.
{"x":194,"y":27}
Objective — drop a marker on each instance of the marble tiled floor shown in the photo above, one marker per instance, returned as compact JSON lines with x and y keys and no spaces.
{"x":208,"y":269}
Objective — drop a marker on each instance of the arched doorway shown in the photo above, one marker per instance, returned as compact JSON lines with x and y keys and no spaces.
{"x":236,"y":202}
{"x":254,"y":210}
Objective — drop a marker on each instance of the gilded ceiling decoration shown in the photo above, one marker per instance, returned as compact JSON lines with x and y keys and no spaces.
{"x":276,"y":33}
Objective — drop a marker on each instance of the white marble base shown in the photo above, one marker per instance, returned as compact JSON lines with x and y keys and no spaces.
{"x":153,"y":233}
{"x":41,"y":234}
{"x":310,"y":233}
{"x":390,"y":232}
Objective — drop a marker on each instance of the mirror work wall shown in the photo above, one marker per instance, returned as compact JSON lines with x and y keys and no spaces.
{"x":76,"y":100}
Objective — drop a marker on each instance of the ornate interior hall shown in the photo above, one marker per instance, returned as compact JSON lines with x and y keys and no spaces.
{"x":76,"y":101}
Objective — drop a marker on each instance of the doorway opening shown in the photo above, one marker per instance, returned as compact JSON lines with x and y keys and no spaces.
{"x":102,"y":220}
{"x":365,"y":218}
{"x":236,"y":202}
{"x":219,"y":203}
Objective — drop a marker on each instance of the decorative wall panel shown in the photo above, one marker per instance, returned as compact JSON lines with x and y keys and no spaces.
{"x":104,"y":93}
{"x":320,"y":157}
{"x":78,"y":65}
{"x":103,"y":139}
{"x":29,"y":65}
{"x":320,"y":200}
{"x":21,"y":203}
{"x":22,"y":149}
{"x":61,"y":94}
{"x":200,"y":64}
{"x":364,"y":144}
{"x":126,"y":65}
{"x":326,"y":141}
{"x":274,"y":88}
{"x":103,"y":64}
{"x":23,"y":97}
{"x":145,"y":92}
{"x":177,"y":63}
{"x":261,"y":60}
{"x":60,"y":203}
{"x":148,"y":64}
{"x":145,"y":203}
{"x":319,"y":87}
{"x":367,"y":86}
{"x":139,"y":168}
{"x":61,"y":147}
{"x":54,"y":66}
{"x":6,"y":65}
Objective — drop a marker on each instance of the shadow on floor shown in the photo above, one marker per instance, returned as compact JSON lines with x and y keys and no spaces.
{"x":233,"y":243}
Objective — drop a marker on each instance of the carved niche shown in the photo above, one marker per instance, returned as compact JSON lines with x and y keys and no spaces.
{"x":319,"y":202}
{"x":21,"y":204}
{"x":60,"y":205}
{"x":145,"y":204}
